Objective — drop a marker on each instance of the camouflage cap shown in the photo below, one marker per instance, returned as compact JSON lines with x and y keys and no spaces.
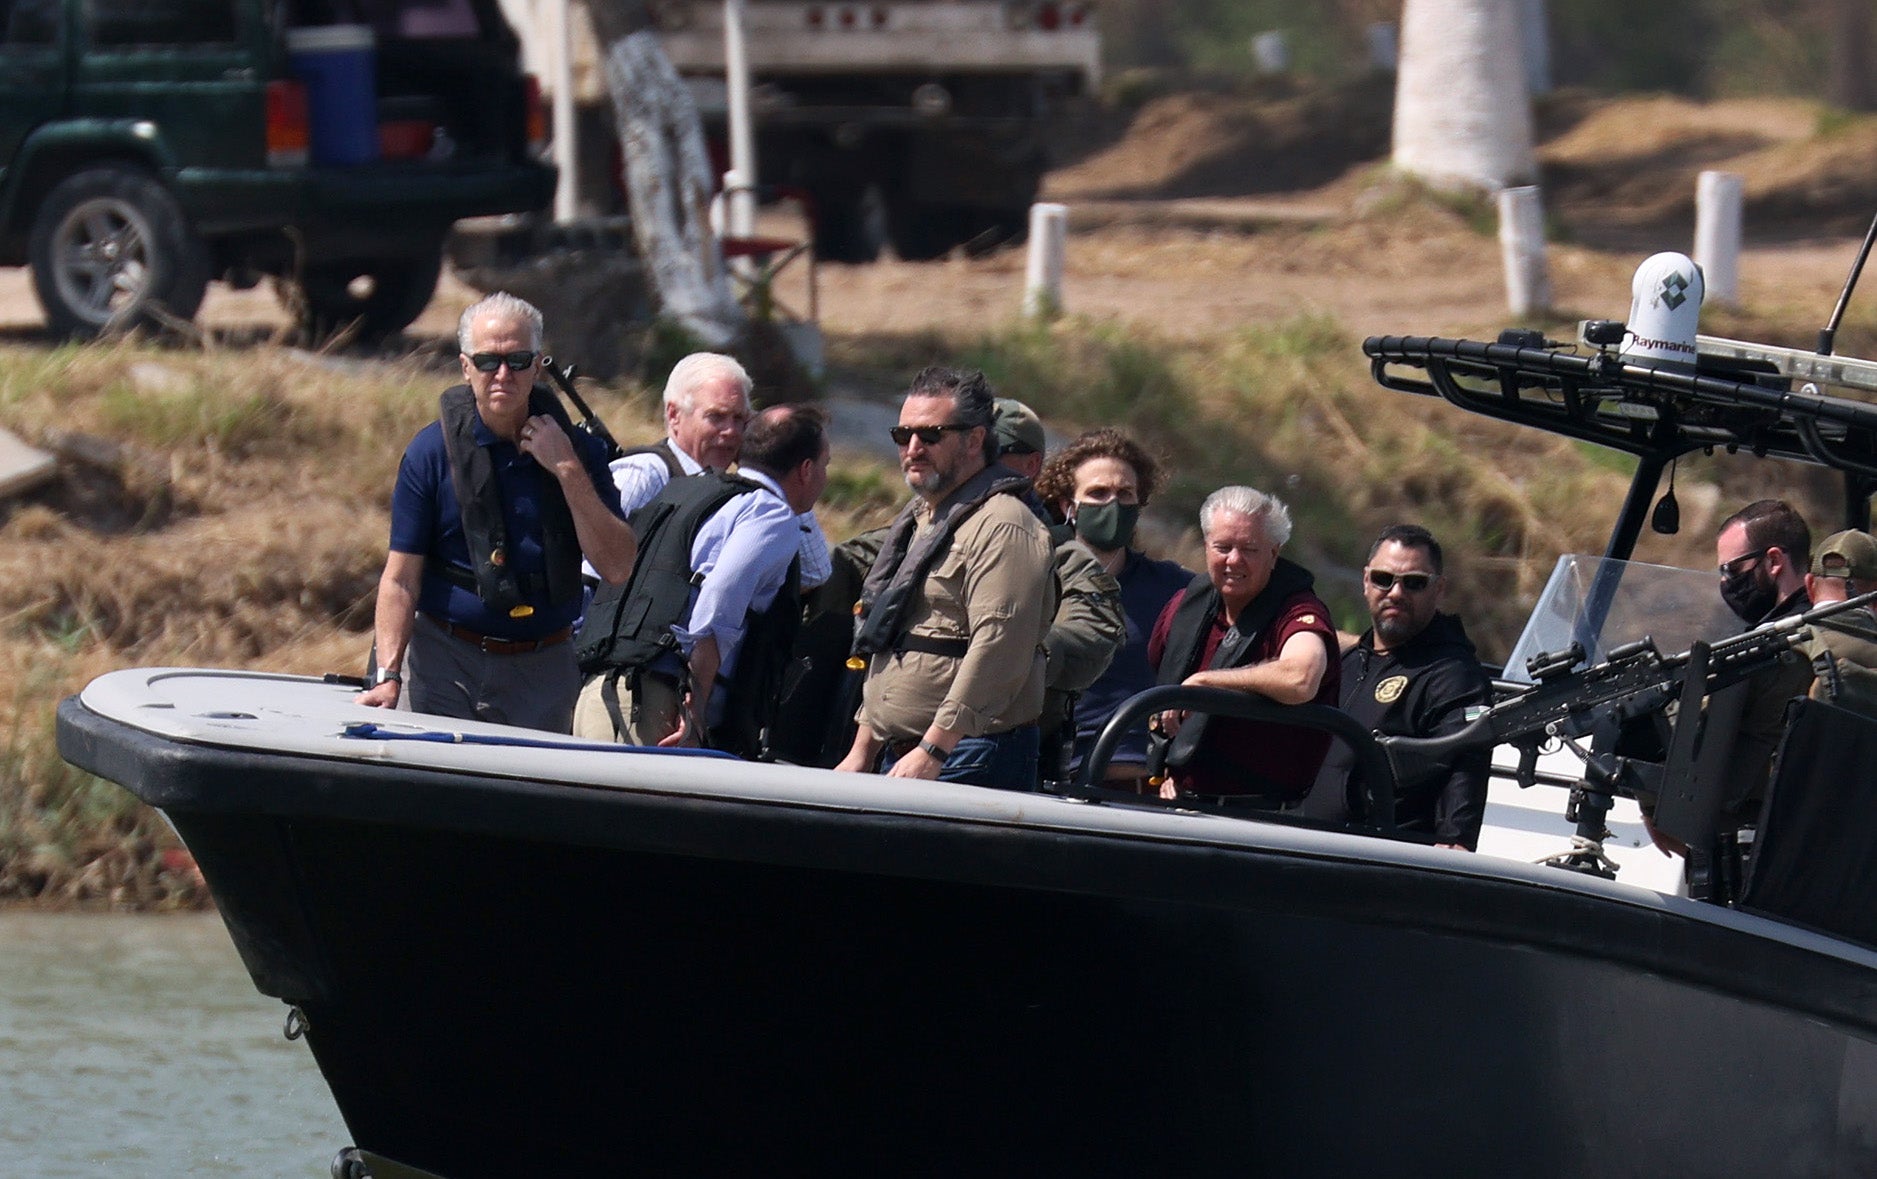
{"x":1019,"y":430}
{"x":1847,"y":554}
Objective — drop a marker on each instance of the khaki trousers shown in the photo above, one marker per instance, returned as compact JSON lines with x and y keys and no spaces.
{"x":658,"y":703}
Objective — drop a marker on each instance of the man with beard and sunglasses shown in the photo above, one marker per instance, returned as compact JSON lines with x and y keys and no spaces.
{"x":1413,"y":673}
{"x":954,"y":612}
{"x":495,"y":505}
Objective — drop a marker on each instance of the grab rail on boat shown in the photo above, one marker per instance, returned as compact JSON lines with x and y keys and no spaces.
{"x":1375,"y":805}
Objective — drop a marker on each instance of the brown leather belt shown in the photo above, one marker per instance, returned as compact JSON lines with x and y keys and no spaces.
{"x":494,"y":646}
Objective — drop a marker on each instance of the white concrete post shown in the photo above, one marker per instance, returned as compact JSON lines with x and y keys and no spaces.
{"x":1718,"y":200}
{"x":566,"y":146}
{"x":1270,"y":52}
{"x":1042,"y":281}
{"x":1522,"y":243}
{"x":742,"y":178}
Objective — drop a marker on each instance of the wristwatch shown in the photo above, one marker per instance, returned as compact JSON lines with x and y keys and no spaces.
{"x":934,"y":748}
{"x":387,"y":675}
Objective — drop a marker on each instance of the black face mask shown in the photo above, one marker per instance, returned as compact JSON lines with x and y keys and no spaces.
{"x":1106,"y":527}
{"x":1750,"y":596}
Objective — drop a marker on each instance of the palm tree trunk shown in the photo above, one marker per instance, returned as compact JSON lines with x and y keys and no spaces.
{"x":1462,"y":112}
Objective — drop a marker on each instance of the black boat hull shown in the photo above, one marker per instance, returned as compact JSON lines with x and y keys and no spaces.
{"x":510,"y":977}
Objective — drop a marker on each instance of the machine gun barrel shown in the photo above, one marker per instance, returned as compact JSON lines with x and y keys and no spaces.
{"x":1565,"y":703}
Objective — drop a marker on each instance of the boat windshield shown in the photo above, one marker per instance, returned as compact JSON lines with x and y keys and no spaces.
{"x":1602,"y":603}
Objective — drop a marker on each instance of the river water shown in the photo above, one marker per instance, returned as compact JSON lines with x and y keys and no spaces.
{"x":134,"y":1046}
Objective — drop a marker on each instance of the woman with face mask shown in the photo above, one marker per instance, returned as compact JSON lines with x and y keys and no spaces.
{"x":1100,"y":482}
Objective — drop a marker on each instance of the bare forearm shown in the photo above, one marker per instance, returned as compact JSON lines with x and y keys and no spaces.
{"x":1273,"y":679}
{"x":393,"y":620}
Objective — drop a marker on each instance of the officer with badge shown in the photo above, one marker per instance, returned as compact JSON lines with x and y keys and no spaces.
{"x":1413,"y":673}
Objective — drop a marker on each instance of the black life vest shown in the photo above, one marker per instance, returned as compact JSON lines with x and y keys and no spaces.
{"x":665,"y":451}
{"x":628,"y":627}
{"x":1192,"y":619}
{"x":479,"y":499}
{"x":900,"y":569}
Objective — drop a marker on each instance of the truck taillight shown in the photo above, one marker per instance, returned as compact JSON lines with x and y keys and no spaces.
{"x":286,"y":124}
{"x":846,"y":16}
{"x":1049,"y":16}
{"x":536,"y":113}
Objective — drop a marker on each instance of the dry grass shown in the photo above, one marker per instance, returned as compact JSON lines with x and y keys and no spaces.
{"x":214,"y":508}
{"x":228,"y":506}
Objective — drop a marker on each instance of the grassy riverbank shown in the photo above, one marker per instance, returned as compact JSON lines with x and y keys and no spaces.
{"x":225,"y":504}
{"x":227,"y":507}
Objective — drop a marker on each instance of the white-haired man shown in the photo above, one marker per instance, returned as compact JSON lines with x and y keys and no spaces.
{"x":707,"y":408}
{"x":1249,"y":623}
{"x":496,"y":504}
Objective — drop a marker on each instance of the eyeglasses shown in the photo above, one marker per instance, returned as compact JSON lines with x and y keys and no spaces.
{"x":930,"y":435}
{"x":1413,"y":583}
{"x":488,"y":362}
{"x":1735,"y":567}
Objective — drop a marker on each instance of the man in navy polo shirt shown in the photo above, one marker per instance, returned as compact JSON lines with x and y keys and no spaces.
{"x":496,"y":503}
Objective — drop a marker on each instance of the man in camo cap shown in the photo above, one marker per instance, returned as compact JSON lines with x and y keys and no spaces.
{"x":1844,"y":647}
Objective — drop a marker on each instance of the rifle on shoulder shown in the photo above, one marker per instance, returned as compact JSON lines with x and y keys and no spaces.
{"x":589,"y":421}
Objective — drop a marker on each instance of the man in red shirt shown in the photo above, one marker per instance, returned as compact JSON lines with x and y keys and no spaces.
{"x":1250,"y":623}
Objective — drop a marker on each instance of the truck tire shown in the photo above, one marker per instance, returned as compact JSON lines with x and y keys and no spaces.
{"x":850,"y":225}
{"x":381,"y":295}
{"x":993,"y":229}
{"x":921,"y":231}
{"x":110,"y":249}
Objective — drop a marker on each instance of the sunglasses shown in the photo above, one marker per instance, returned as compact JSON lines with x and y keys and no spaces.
{"x":930,"y":435}
{"x":488,"y":362}
{"x":1730,"y":569}
{"x":1413,"y":583}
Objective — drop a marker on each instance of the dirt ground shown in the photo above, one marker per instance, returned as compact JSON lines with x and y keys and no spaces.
{"x":1201,"y":212}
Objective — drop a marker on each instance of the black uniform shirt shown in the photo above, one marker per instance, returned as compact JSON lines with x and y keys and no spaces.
{"x":1421,"y":689}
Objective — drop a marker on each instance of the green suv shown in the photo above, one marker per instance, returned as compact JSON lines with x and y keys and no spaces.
{"x":147,"y":146}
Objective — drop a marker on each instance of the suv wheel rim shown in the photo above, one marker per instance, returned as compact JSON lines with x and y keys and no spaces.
{"x":101,"y":259}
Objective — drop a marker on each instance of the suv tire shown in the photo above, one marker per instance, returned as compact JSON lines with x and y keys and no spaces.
{"x":110,"y":249}
{"x":922,"y":231}
{"x":849,"y":225}
{"x":396,"y":291}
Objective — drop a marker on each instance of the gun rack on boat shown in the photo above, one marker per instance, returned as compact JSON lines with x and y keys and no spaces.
{"x":1741,"y":397}
{"x":1767,"y":401}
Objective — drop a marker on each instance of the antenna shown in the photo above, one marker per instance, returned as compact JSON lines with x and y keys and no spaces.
{"x":1830,"y":330}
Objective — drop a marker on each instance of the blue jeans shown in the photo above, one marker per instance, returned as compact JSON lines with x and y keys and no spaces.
{"x":1005,"y":761}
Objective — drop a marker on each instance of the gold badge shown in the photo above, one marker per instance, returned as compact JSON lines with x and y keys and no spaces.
{"x":1390,"y":689}
{"x":521,"y":611}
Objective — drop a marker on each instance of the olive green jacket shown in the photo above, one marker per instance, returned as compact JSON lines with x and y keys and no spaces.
{"x":1843,"y":650}
{"x":1087,"y":631}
